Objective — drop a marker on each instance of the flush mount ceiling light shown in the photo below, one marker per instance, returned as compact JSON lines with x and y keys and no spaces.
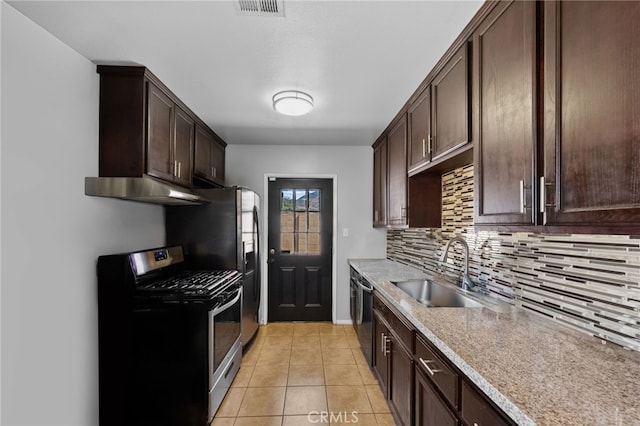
{"x":292,"y":102}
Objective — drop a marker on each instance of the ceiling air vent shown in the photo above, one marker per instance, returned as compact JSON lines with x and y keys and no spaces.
{"x":260,"y":7}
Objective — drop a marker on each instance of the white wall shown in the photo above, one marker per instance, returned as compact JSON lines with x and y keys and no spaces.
{"x":247,"y":166}
{"x":51,"y":232}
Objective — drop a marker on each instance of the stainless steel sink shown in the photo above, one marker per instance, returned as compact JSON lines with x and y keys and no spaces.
{"x":435,"y":295}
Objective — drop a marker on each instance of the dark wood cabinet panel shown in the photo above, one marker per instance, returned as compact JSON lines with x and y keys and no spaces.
{"x":504,"y":110}
{"x":393,"y":360}
{"x":397,"y":174}
{"x":380,"y":357}
{"x":400,"y":390}
{"x":160,"y":133}
{"x":591,"y":119}
{"x":419,"y":122}
{"x":183,"y":147}
{"x":380,"y":183}
{"x":209,"y":157}
{"x":203,"y":153}
{"x":476,"y":410}
{"x":430,"y":410}
{"x":450,"y":106}
{"x":218,"y":161}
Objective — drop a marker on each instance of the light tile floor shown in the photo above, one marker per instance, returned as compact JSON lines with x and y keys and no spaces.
{"x":303,"y":373}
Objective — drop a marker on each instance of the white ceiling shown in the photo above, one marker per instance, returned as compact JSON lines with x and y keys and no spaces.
{"x":360,"y":60}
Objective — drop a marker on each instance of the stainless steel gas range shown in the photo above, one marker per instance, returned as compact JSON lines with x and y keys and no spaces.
{"x":169,"y":338}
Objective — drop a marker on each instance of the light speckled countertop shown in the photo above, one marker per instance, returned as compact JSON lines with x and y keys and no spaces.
{"x":537,"y":371}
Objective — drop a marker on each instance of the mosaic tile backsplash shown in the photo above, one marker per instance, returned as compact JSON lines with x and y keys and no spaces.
{"x":588,"y":282}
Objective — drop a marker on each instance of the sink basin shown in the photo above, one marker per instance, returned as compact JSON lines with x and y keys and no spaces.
{"x":435,"y":295}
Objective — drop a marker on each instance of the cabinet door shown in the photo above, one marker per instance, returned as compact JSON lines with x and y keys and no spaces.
{"x":203,"y":153}
{"x":419,"y":121}
{"x":430,"y":409}
{"x":397,"y":141}
{"x":504,"y":138}
{"x":381,"y":353}
{"x":218,"y":161}
{"x":183,"y":147}
{"x":401,"y":382}
{"x":380,"y":184}
{"x":477,"y":411}
{"x":160,"y":133}
{"x":591,"y":114}
{"x":450,"y":106}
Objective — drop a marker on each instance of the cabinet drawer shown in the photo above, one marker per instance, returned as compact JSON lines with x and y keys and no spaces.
{"x":438,"y":371}
{"x":477,"y":411}
{"x":403,"y":331}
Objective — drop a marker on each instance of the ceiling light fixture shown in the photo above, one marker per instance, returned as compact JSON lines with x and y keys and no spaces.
{"x":292,"y":102}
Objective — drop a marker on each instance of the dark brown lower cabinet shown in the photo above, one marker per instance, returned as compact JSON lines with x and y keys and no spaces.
{"x":393,"y":363}
{"x":400,"y":394}
{"x":380,"y":358}
{"x":477,"y":411}
{"x":431,"y":410}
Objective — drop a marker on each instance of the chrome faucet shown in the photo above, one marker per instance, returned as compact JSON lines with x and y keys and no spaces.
{"x":467,"y":283}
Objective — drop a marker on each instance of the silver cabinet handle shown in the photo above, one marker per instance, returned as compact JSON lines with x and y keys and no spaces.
{"x":179,"y":168}
{"x":542,"y":195}
{"x":383,"y":343}
{"x":430,"y":147}
{"x":387,"y":340}
{"x":521,"y":196}
{"x":175,"y":168}
{"x":424,"y":148}
{"x":215,"y":171}
{"x":425,"y":364}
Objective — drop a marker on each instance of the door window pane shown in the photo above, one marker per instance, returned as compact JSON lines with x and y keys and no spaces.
{"x":301,"y":243}
{"x":286,"y":221}
{"x":314,"y":200}
{"x":286,"y":199}
{"x":301,"y":222}
{"x":314,"y":222}
{"x":313,"y":245}
{"x":286,"y":243}
{"x":301,"y":200}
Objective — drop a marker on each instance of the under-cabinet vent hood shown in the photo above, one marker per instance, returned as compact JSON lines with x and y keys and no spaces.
{"x":259,"y":8}
{"x":141,"y":189}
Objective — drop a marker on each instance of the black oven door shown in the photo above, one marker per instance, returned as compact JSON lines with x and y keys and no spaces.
{"x":224,"y":328}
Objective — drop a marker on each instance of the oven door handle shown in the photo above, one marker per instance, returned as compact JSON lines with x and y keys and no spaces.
{"x":227,"y":305}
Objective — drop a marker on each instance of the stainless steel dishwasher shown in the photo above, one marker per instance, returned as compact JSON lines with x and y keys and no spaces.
{"x":362,"y":313}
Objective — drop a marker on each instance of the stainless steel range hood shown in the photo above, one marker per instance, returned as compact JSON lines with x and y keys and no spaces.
{"x":141,"y":189}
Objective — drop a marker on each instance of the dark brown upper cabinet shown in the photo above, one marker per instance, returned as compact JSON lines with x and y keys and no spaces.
{"x":450,"y":100}
{"x":144,"y":128}
{"x":209,"y":156}
{"x":419,"y":120}
{"x":380,"y":187}
{"x":439,"y":118}
{"x":504,"y":84}
{"x":397,"y":174}
{"x":170,"y":138}
{"x":592,"y":116}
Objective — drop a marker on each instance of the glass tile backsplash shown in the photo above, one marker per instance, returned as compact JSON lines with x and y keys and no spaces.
{"x":588,"y":282}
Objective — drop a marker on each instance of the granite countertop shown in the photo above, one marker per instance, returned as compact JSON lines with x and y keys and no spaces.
{"x":537,"y":371}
